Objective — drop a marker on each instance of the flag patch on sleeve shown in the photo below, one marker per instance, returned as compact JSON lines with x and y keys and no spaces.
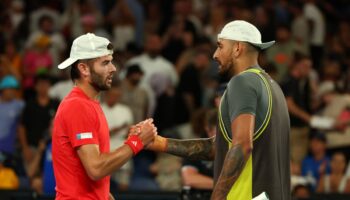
{"x":81,"y":136}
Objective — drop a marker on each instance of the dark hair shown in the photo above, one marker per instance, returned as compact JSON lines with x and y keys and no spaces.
{"x":42,"y":77}
{"x":132,"y":69}
{"x":298,"y":56}
{"x":44,"y":18}
{"x":74,"y":72}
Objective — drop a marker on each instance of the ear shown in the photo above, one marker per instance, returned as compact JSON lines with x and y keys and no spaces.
{"x":236,"y":49}
{"x":84,"y":69}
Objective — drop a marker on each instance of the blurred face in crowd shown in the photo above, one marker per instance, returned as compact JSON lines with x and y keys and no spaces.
{"x":304,"y":66}
{"x":42,"y":86}
{"x":224,"y":55}
{"x":8,"y":94}
{"x":135,"y":78}
{"x":302,"y":192}
{"x":317,"y":146}
{"x":112,"y":96}
{"x":153,"y":45}
{"x":282,"y":34}
{"x":47,"y":25}
{"x":201,"y":60}
{"x":338,"y":163}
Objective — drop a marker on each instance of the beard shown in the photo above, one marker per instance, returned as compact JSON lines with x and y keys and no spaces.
{"x":227,"y":69}
{"x":98,"y":82}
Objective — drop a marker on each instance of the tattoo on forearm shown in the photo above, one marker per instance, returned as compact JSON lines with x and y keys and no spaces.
{"x":196,"y":149}
{"x":233,"y":166}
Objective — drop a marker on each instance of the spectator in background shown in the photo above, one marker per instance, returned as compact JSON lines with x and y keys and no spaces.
{"x":317,"y":164}
{"x":336,"y":181}
{"x":36,"y":60}
{"x":71,"y":18}
{"x":37,"y":116}
{"x":119,"y":118}
{"x":198,"y":175}
{"x":151,"y":62}
{"x":123,"y":21}
{"x":317,"y":32}
{"x":133,"y":95}
{"x":216,"y":22}
{"x":10,"y":113}
{"x":189,"y":91}
{"x":48,"y":27}
{"x":45,"y":9}
{"x":13,"y":59}
{"x":89,"y":25}
{"x":281,"y":54}
{"x":300,"y":29}
{"x":16,"y":13}
{"x":297,"y":90}
{"x":8,"y":177}
{"x":301,"y":191}
{"x":40,"y":168}
{"x":61,"y":88}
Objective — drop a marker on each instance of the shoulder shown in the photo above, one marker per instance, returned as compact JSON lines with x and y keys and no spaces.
{"x":77,"y":106}
{"x":18,"y":104}
{"x":244,"y":80}
{"x":124,"y":108}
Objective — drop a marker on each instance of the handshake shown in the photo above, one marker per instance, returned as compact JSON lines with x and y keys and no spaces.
{"x":145,"y":135}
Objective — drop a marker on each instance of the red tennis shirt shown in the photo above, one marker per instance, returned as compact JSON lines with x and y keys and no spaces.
{"x":79,"y":120}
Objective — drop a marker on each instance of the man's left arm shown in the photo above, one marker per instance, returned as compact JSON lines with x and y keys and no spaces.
{"x":242,"y":144}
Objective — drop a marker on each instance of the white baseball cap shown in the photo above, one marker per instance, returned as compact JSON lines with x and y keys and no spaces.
{"x":87,"y":46}
{"x":240,"y":30}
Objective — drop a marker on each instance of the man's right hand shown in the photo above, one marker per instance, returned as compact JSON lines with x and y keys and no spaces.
{"x":145,"y":130}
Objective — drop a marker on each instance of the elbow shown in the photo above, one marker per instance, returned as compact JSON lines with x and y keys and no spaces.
{"x":94,"y":174}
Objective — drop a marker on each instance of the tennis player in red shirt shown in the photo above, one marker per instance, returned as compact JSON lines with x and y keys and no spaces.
{"x":80,"y":143}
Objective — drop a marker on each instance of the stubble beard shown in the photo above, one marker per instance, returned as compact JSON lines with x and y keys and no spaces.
{"x":227,"y":69}
{"x":98,"y":82}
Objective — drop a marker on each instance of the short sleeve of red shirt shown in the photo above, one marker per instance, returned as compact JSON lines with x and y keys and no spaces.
{"x":81,"y":123}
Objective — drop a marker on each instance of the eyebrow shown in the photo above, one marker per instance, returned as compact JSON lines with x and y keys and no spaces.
{"x":106,"y":61}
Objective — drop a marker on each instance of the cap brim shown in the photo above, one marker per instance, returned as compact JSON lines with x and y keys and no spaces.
{"x":263,"y":45}
{"x":68,"y":62}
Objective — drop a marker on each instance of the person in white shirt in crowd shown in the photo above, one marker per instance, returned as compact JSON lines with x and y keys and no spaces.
{"x":151,"y":62}
{"x":60,"y":89}
{"x":119,"y":118}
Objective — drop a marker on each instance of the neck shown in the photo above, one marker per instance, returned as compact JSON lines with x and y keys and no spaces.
{"x":338,"y":173}
{"x":88,"y":89}
{"x":295,"y":73}
{"x":129,"y":84}
{"x":319,"y":156}
{"x":244,"y":63}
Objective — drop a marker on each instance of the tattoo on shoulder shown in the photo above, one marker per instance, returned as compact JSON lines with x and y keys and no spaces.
{"x":196,"y":149}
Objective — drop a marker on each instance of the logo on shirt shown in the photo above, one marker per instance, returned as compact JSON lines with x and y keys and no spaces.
{"x":81,"y":136}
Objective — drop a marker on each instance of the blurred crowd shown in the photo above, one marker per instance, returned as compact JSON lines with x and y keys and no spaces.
{"x":163,"y":52}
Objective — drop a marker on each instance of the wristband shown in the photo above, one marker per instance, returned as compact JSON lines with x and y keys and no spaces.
{"x":160,"y":144}
{"x":134,"y":143}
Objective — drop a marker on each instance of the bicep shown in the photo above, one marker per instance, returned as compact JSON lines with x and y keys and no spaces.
{"x":242,"y":131}
{"x":88,"y":155}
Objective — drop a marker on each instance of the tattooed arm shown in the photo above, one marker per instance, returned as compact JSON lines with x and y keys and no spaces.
{"x":237,"y":156}
{"x":195,"y":149}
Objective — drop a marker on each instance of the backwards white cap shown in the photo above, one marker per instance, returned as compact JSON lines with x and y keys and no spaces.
{"x":240,"y":30}
{"x":86,"y":47}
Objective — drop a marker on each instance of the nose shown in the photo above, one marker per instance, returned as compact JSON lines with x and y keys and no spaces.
{"x":114,"y":68}
{"x":215,"y":56}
